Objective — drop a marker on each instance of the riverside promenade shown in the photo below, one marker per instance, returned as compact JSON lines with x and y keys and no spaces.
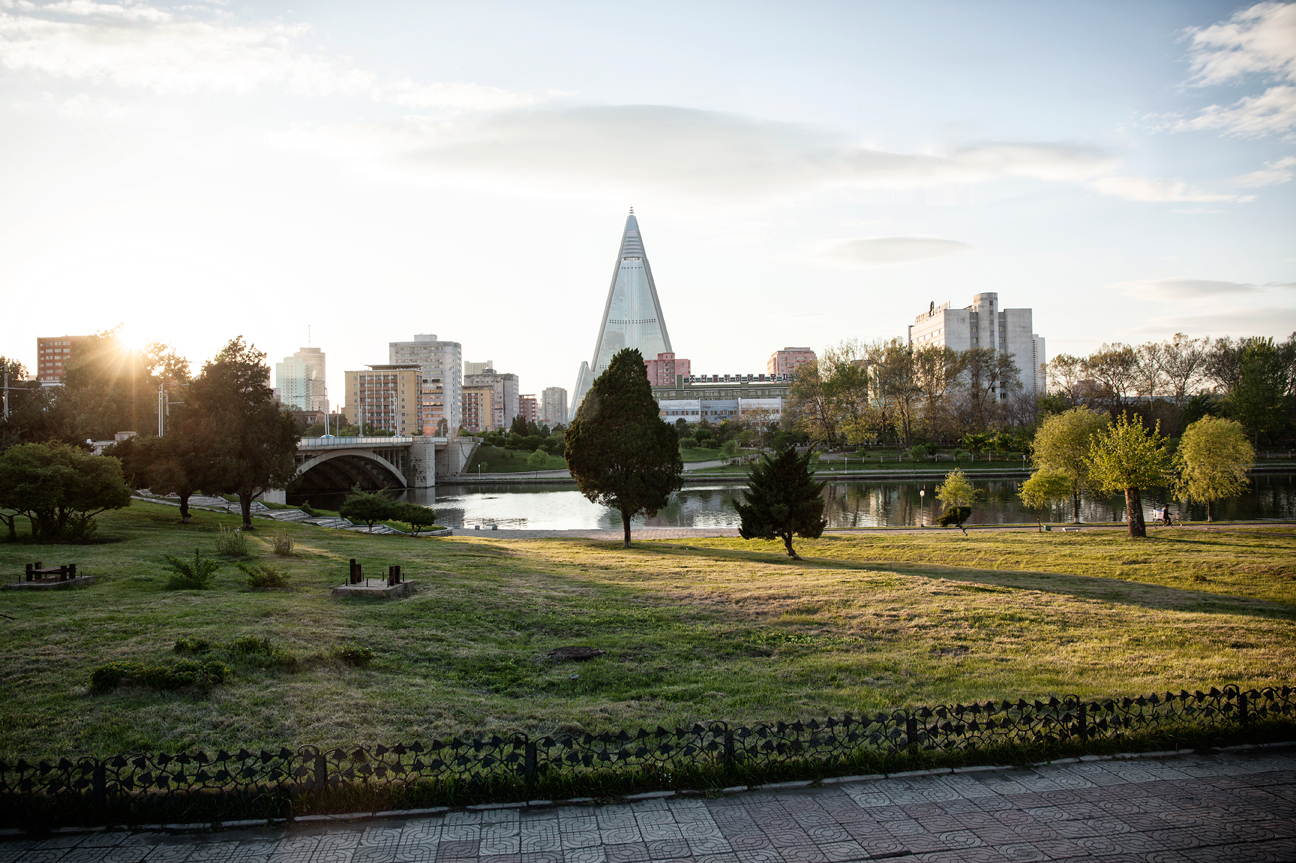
{"x":1234,"y":805}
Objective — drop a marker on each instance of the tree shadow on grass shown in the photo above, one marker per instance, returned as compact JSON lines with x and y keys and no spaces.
{"x":1113,"y":590}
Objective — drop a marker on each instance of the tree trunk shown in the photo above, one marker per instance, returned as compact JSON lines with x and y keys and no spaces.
{"x":1208,"y":512}
{"x":1134,"y":512}
{"x":625,"y":525}
{"x":184,"y":507}
{"x":245,"y":504}
{"x":1075,"y":505}
{"x":787,"y":541}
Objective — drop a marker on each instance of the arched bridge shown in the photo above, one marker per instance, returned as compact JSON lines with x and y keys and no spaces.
{"x":333,"y":464}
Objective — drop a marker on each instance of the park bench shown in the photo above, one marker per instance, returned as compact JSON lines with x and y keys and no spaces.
{"x":37,"y":572}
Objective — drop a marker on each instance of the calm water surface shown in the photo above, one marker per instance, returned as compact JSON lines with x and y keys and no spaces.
{"x":848,"y":504}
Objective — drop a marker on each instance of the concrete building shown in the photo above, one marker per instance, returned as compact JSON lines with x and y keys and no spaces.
{"x":478,"y":368}
{"x":632,"y":315}
{"x":300,"y":381}
{"x":52,"y":355}
{"x":553,"y":405}
{"x":788,"y":360}
{"x":504,"y":405}
{"x":529,"y":408}
{"x":663,"y":369}
{"x":984,"y":325}
{"x":441,"y":364}
{"x":478,"y":407}
{"x":385,"y":398}
{"x":717,"y":398}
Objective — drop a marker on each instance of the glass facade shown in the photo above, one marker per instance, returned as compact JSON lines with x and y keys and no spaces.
{"x":632,"y":317}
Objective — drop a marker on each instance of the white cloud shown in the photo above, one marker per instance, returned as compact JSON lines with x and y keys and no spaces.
{"x":1275,"y":172}
{"x":1179,"y":289}
{"x":1258,"y":42}
{"x":1162,"y":191}
{"x":883,"y":251}
{"x":139,"y":47}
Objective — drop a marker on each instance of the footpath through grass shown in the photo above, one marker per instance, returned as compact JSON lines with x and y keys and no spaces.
{"x":693,"y":629}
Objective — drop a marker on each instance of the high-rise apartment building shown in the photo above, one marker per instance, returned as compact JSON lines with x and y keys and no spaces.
{"x":478,"y":407}
{"x":663,"y":369}
{"x":300,"y":381}
{"x":632,"y":316}
{"x":441,"y":383}
{"x":504,"y":406}
{"x":529,"y":408}
{"x":52,"y":355}
{"x":477,"y":368}
{"x":553,"y":405}
{"x":788,"y":360}
{"x":385,"y":398}
{"x":984,"y":325}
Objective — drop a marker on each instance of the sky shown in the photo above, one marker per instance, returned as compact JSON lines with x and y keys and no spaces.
{"x":803,"y":173}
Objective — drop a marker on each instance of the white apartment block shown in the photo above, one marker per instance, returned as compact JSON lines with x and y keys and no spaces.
{"x":299,"y":381}
{"x":984,"y":325}
{"x":441,"y":387}
{"x":553,"y":405}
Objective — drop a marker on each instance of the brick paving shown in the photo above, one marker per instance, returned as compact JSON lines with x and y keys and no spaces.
{"x":1229,"y":806}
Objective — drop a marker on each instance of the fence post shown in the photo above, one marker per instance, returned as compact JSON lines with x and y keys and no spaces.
{"x":321,"y":772}
{"x":101,"y":787}
{"x":1243,"y":718}
{"x":911,"y":731}
{"x":529,"y":762}
{"x":728,"y":747}
{"x":1084,"y":722}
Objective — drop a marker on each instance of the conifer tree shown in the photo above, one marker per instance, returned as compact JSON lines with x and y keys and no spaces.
{"x":782,"y":500}
{"x":620,"y":452}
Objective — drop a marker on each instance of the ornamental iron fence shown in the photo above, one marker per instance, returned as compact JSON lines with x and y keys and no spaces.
{"x":717,"y":747}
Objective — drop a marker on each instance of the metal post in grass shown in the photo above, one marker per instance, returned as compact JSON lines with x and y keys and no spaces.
{"x":911,"y":730}
{"x":1244,"y":717}
{"x":100,"y":787}
{"x":728,"y":747}
{"x":320,"y":779}
{"x":1083,"y":714}
{"x":529,"y":761}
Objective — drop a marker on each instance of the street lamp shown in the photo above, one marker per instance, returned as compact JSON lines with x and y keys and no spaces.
{"x":922,"y":506}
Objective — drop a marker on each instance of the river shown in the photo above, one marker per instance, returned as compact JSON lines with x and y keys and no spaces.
{"x":864,"y":503}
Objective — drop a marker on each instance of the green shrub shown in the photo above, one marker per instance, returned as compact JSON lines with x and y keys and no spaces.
{"x":356,"y":655}
{"x":263,"y":576}
{"x":190,"y":576}
{"x":417,"y":517}
{"x":231,"y":543}
{"x":176,"y":675}
{"x":282,"y":542}
{"x":689,"y":443}
{"x":192,"y":645}
{"x":262,"y":653}
{"x":250,"y":645}
{"x":962,"y":455}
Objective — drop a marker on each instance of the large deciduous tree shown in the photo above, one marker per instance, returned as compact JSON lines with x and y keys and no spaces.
{"x":1116,"y":370}
{"x":59,"y":488}
{"x":618,"y":449}
{"x":1128,"y":457}
{"x":782,"y":500}
{"x":1061,"y":444}
{"x":250,"y":439}
{"x":1213,"y":458}
{"x":1259,"y":399}
{"x":1044,"y":487}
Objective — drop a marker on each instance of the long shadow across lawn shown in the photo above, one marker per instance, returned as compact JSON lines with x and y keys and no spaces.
{"x":1113,"y":590}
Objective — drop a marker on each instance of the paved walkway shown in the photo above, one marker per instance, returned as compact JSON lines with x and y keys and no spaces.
{"x":615,"y":534}
{"x":1231,"y":806}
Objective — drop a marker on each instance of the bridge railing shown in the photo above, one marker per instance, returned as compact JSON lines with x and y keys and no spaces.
{"x":332,"y":441}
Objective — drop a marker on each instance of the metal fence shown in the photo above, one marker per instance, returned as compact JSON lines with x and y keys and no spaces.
{"x":657,"y":754}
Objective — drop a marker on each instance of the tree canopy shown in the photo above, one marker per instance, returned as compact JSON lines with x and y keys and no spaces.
{"x":1128,"y":457}
{"x":618,"y":449}
{"x":1061,"y":445}
{"x":782,"y":500}
{"x":1213,"y":458}
{"x":957,"y":494}
{"x":370,"y":507}
{"x":1044,"y":487}
{"x":59,"y":488}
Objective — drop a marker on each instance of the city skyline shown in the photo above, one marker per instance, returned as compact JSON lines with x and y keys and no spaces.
{"x":205,"y":171}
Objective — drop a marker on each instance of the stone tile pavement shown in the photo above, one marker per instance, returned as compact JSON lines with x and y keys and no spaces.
{"x":1229,"y":806}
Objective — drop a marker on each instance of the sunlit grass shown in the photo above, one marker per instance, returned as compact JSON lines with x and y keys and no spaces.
{"x":695,"y":629}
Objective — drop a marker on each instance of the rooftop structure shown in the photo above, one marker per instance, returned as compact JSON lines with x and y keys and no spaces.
{"x":632,"y":315}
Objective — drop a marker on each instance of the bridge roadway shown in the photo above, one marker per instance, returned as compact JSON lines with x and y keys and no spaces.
{"x":333,"y":464}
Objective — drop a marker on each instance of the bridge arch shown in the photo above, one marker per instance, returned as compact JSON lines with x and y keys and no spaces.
{"x":342,"y":470}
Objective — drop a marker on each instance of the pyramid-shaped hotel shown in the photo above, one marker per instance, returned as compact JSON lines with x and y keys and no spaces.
{"x":632,"y":316}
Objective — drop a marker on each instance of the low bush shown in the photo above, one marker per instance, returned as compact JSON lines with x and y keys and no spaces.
{"x":263,"y":576}
{"x":231,"y":543}
{"x":192,"y":645}
{"x":962,"y":455}
{"x":262,"y":653}
{"x":190,"y":576}
{"x":176,"y":675}
{"x":355,"y":655}
{"x":282,"y":542}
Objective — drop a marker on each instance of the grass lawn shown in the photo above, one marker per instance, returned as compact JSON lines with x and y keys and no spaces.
{"x":701,"y":453}
{"x":494,"y":459}
{"x":694,"y":629}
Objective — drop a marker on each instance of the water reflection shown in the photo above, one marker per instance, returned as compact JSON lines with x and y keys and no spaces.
{"x":848,"y":504}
